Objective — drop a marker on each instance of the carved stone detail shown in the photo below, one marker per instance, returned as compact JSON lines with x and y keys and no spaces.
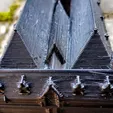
{"x":106,"y":88}
{"x":23,"y":86}
{"x":77,"y":87}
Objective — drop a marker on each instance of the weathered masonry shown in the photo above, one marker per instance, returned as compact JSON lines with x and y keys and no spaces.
{"x":58,"y":61}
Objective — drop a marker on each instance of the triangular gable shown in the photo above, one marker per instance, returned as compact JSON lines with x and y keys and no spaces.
{"x":59,"y":34}
{"x":82,"y":26}
{"x":49,"y":85}
{"x":55,"y":50}
{"x":17,"y":55}
{"x":100,"y":25}
{"x":34,"y":27}
{"x":86,"y":19}
{"x":94,"y":55}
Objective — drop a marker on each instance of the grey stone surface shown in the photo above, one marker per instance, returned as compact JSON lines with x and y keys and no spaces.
{"x":34,"y":28}
{"x":17,"y":55}
{"x":82,"y":27}
{"x":90,"y":16}
{"x":100,"y":24}
{"x":94,"y":55}
{"x":46,"y":28}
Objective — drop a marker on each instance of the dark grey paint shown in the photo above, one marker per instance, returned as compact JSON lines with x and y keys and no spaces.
{"x":82,"y":26}
{"x":34,"y":28}
{"x":60,"y":31}
{"x":44,"y":23}
{"x":94,"y":55}
{"x":101,"y":25}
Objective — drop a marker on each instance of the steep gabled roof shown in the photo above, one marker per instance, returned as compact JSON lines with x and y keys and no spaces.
{"x":17,"y":55}
{"x":94,"y":56}
{"x":34,"y":28}
{"x":49,"y":84}
{"x":44,"y":31}
{"x":47,"y":27}
{"x":59,"y":34}
{"x":82,"y":27}
{"x":86,"y":19}
{"x":100,"y":26}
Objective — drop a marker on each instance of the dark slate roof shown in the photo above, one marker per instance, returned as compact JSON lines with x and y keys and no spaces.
{"x":59,"y":35}
{"x":82,"y":27}
{"x":46,"y":27}
{"x":17,"y":55}
{"x":62,"y":79}
{"x":85,"y":20}
{"x":100,"y":25}
{"x":34,"y":28}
